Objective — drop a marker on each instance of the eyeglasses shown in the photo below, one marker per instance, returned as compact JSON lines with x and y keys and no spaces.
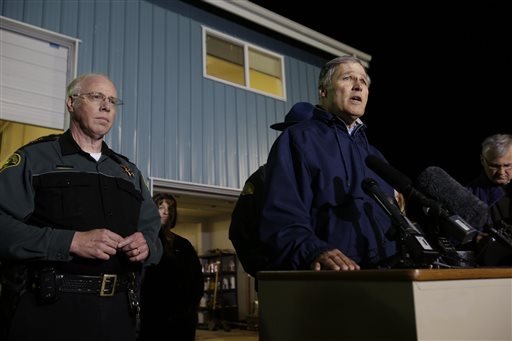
{"x":99,"y":97}
{"x":496,"y":167}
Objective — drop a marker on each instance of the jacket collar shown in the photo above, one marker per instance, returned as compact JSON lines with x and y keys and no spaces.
{"x":330,"y":119}
{"x":69,"y":146}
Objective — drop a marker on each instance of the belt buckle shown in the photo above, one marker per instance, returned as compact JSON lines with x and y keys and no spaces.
{"x":108,"y":285}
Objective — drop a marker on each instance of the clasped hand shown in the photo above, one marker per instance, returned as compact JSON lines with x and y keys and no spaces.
{"x":103,"y":243}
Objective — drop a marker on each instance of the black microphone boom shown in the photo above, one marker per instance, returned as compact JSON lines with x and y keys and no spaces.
{"x":454,"y":227}
{"x":401,"y":183}
{"x":392,"y":176}
{"x":436,"y":183}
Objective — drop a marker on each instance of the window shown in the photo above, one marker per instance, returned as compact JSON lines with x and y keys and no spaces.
{"x":232,"y":61}
{"x":36,"y":65}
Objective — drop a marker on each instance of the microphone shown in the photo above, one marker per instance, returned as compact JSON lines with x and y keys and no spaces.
{"x":417,"y":244}
{"x":372,"y":188}
{"x":398,"y":181}
{"x":436,"y":183}
{"x":453,"y":225}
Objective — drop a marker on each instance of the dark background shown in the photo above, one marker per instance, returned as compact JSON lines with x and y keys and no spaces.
{"x":440,"y":77}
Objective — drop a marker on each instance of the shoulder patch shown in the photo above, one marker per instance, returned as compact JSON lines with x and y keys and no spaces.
{"x":248,"y":189}
{"x":12,"y":161}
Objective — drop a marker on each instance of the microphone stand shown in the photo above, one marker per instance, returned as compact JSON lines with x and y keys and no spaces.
{"x":415,"y":250}
{"x":447,"y":231}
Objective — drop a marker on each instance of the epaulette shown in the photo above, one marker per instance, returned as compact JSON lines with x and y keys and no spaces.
{"x":120,"y":156}
{"x":46,"y":138}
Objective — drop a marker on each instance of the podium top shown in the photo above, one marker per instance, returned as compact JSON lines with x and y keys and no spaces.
{"x":389,"y":274}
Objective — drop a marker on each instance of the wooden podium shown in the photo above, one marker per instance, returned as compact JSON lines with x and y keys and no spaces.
{"x":399,"y":304}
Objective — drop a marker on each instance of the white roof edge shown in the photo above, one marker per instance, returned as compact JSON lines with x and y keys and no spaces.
{"x":195,"y":188}
{"x":261,"y":16}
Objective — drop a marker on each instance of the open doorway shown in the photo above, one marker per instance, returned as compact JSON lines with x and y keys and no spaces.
{"x":204,"y":215}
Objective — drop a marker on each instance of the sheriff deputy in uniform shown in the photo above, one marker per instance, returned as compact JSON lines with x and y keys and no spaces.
{"x":77,"y":222}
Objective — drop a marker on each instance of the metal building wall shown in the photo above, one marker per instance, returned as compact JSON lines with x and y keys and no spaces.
{"x":175,"y":124}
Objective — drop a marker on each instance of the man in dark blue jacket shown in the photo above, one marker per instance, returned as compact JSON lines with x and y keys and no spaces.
{"x":245,"y":219}
{"x":493,"y":186}
{"x":315,"y":212}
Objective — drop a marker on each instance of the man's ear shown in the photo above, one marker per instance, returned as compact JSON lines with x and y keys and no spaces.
{"x":322,"y":92}
{"x":69,"y":104}
{"x":482,"y":160}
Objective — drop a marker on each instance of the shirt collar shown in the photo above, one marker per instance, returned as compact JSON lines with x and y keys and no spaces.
{"x":69,"y":146}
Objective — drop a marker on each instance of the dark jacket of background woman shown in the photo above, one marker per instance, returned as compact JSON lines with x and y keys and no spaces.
{"x":171,"y":290}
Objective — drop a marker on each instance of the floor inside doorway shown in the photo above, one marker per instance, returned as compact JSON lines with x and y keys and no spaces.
{"x":231,"y":335}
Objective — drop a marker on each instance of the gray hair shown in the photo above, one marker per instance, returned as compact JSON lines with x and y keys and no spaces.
{"x":496,"y":146}
{"x":328,"y":70}
{"x":75,"y":86}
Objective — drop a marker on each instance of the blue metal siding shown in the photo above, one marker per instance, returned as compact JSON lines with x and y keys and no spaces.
{"x":51,"y":15}
{"x":157,"y":117}
{"x":175,"y":124}
{"x":129,"y":88}
{"x":144,"y":103}
{"x":70,"y":9}
{"x":230,"y":140}
{"x":208,"y":132}
{"x":185,"y":96}
{"x":198,"y":167}
{"x":86,"y":32}
{"x":35,"y":15}
{"x":14,"y":9}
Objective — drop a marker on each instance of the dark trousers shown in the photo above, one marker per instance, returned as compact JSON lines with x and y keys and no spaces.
{"x":175,"y":328}
{"x":77,"y":317}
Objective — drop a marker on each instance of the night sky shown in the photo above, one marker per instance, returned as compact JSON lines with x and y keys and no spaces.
{"x":440,"y":77}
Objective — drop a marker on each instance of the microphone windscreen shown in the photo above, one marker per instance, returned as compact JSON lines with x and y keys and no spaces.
{"x":436,"y":183}
{"x":392,"y":176}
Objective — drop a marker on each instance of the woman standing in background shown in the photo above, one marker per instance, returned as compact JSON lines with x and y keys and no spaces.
{"x":171,"y":290}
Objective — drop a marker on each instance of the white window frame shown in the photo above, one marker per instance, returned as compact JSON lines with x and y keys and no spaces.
{"x":246,"y":46}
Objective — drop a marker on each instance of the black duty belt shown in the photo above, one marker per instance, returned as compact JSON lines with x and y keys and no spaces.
{"x":102,"y":285}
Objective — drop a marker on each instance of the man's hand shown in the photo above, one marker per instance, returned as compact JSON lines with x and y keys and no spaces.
{"x":334,"y":260}
{"x":95,"y":244}
{"x":135,"y":247}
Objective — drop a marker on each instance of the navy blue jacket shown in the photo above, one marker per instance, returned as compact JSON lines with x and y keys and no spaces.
{"x":314,"y":200}
{"x":485,"y":190}
{"x":489,"y":193}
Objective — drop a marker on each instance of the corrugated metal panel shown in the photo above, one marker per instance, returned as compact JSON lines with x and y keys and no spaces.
{"x":185,"y":96}
{"x":198,"y":166}
{"x":157,"y":119}
{"x":144,"y":103}
{"x":175,"y":124}
{"x":68,"y":21}
{"x":86,"y":30}
{"x":35,"y":15}
{"x":14,"y":10}
{"x":129,"y":88}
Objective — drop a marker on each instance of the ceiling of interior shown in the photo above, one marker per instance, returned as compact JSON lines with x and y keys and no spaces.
{"x":193,"y":208}
{"x":198,"y":203}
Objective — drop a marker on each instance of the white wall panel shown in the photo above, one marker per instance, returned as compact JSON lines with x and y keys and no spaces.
{"x":33,"y":78}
